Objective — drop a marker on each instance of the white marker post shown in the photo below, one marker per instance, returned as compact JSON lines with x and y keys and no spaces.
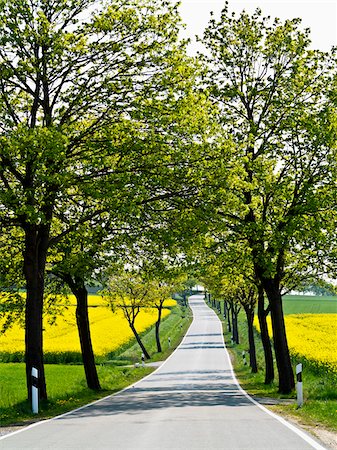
{"x":299,"y":385}
{"x":244,"y":358}
{"x":35,"y":390}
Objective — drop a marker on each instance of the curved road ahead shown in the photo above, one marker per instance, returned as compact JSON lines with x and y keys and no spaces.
{"x":191,"y":402}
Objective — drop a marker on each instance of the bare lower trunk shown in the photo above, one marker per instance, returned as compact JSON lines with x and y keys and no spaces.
{"x":140,"y":343}
{"x":268,"y":354}
{"x":77,"y":287}
{"x":235,"y":325}
{"x":36,"y":239}
{"x":159,"y":349}
{"x":252,"y":351}
{"x":285,"y":371}
{"x":228,"y":309}
{"x":83,"y":326}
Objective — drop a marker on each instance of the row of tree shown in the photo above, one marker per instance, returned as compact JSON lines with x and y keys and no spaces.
{"x":117,"y":146}
{"x":97,"y":109}
{"x":272,"y":202}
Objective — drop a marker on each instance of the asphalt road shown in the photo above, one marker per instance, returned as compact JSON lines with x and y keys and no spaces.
{"x":191,"y":402}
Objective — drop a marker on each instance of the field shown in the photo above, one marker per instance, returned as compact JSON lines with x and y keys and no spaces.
{"x":311,"y":324}
{"x":109,"y":331}
{"x":303,"y":304}
{"x":64,"y":396}
{"x":312,"y":337}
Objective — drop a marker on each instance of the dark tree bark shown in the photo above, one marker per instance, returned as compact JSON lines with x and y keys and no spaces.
{"x":185,"y":300}
{"x":78,"y":288}
{"x":35,"y":255}
{"x":249,"y":310}
{"x":228,"y":309}
{"x":267,"y":349}
{"x":159,"y":309}
{"x":140,"y":343}
{"x":285,"y":371}
{"x":235,"y":310}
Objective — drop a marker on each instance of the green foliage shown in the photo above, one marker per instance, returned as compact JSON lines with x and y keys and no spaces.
{"x":271,"y":91}
{"x":173,"y":326}
{"x":320,"y":287}
{"x":81,"y":93}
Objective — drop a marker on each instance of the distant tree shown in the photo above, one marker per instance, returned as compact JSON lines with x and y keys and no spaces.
{"x":321,"y":287}
{"x":165,"y":277}
{"x":129,"y":293}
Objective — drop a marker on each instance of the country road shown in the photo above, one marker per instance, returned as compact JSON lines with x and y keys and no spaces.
{"x":191,"y":402}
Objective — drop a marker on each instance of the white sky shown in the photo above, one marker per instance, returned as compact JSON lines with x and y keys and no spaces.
{"x":319,"y":16}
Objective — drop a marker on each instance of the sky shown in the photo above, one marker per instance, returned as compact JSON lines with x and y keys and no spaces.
{"x":319,"y":16}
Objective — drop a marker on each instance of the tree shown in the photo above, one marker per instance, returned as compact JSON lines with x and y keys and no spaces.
{"x":271,"y":93}
{"x":165,"y":277}
{"x":129,"y":293}
{"x":159,"y":293}
{"x":67,"y":73}
{"x":262,"y":313}
{"x":247,"y":296}
{"x":75,"y":269}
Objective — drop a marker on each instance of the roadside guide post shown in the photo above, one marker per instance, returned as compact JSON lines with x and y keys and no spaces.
{"x":35,"y":390}
{"x":299,"y":385}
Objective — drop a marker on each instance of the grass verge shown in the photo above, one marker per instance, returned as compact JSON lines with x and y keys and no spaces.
{"x":63,"y":397}
{"x":320,"y":389}
{"x":172,"y":328}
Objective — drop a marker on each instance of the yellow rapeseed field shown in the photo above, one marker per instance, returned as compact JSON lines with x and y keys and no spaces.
{"x":312,"y":336}
{"x":108,"y":330}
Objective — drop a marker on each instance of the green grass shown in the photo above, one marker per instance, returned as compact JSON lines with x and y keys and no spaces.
{"x":173,"y":326}
{"x":65,"y":396}
{"x":320,"y":389}
{"x":62,"y":396}
{"x":304,"y":304}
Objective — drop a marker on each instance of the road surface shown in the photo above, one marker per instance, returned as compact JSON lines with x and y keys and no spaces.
{"x":191,"y":402}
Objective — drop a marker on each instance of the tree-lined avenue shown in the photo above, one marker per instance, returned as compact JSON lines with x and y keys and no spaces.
{"x":191,"y":402}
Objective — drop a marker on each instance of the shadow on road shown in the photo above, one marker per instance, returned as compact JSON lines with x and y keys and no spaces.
{"x":175,"y":397}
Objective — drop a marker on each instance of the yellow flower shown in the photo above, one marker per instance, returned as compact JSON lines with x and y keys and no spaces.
{"x":312,"y":336}
{"x":108,"y":330}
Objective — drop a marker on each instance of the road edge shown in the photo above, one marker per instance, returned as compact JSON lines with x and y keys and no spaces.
{"x":43,"y":421}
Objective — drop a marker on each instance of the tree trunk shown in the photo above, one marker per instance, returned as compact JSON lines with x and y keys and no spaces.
{"x":35,"y":255}
{"x":229,"y":327}
{"x":83,"y":326}
{"x":159,"y":349}
{"x":77,"y":287}
{"x":252,"y":351}
{"x":141,"y":345}
{"x":268,"y":354}
{"x":235,"y":325}
{"x":285,"y":371}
